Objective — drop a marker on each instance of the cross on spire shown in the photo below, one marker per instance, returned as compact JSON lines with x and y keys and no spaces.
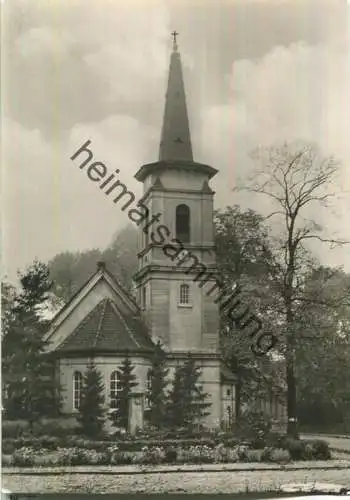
{"x":174,"y":34}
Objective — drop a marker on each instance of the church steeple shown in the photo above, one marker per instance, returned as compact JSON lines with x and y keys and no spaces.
{"x":175,"y":141}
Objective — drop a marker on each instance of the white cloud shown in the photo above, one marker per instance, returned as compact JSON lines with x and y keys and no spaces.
{"x":78,"y":70}
{"x":295,"y":92}
{"x":49,"y":204}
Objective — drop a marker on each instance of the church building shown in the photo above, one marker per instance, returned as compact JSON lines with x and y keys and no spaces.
{"x":104,"y":323}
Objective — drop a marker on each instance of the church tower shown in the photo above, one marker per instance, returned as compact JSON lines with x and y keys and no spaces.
{"x":176,"y":246}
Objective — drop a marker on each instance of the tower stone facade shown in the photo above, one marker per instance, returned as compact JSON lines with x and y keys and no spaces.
{"x":176,"y":246}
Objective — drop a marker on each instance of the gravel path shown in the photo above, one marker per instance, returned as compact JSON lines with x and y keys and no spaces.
{"x":191,"y":482}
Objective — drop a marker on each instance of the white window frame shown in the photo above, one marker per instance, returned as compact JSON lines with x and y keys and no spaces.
{"x":77,"y":389}
{"x":114,"y":385}
{"x":184,"y":295}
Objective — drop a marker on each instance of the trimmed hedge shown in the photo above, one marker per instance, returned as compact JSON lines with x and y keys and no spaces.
{"x":49,"y":427}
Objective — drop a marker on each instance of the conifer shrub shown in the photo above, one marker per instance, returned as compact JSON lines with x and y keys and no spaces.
{"x":187,"y":402}
{"x":254,"y":427}
{"x":120,"y":402}
{"x":13,"y":428}
{"x":156,"y":396}
{"x":91,"y":416}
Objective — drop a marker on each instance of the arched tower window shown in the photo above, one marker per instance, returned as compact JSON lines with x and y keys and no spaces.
{"x":77,"y":388}
{"x":184,"y":294}
{"x":114,"y":388}
{"x":183,"y":223}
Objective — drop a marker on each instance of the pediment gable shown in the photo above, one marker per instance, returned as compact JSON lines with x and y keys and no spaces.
{"x":102,"y":285}
{"x":105,"y":329}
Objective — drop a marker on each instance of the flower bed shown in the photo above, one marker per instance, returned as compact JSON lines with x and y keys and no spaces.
{"x":103,"y":453}
{"x":9,"y":445}
{"x":50,"y":444}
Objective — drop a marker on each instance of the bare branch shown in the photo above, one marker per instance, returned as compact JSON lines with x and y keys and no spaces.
{"x":332,"y":241}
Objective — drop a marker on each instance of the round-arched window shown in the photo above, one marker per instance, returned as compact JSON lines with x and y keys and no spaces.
{"x":183,"y":223}
{"x":77,"y":388}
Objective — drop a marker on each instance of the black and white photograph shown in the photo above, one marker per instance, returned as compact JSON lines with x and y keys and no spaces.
{"x":175,"y":264}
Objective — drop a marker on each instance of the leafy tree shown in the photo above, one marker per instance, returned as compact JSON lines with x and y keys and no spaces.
{"x":28,"y":371}
{"x":296,"y":179}
{"x":157,"y":378}
{"x":323,"y":324}
{"x":121,"y":255}
{"x":187,"y":402}
{"x":32,"y":391}
{"x":91,"y":417}
{"x":70,"y":270}
{"x":121,"y":404}
{"x":35,"y":287}
{"x":244,"y":260}
{"x":8,"y":296}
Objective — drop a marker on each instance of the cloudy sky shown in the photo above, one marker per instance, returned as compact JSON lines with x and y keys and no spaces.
{"x":256,"y":71}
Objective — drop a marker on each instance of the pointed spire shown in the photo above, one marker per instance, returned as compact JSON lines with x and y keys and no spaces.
{"x":175,"y":141}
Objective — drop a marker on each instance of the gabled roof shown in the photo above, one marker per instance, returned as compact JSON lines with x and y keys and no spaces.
{"x":105,"y":330}
{"x":101,"y":274}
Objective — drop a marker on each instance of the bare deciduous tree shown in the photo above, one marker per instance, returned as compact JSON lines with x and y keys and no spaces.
{"x":298,"y":180}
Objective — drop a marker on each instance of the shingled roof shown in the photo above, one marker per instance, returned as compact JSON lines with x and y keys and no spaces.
{"x":106,"y":330}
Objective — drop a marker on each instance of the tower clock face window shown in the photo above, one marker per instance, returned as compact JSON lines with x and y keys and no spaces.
{"x":184,"y":294}
{"x":183,"y":223}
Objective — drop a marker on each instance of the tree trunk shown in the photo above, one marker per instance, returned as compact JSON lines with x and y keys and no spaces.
{"x":238,"y":399}
{"x":292,"y":427}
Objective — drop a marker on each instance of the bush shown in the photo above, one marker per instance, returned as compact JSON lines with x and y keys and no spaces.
{"x":14,"y":428}
{"x":24,"y":457}
{"x":267,"y":454}
{"x":46,"y":442}
{"x":152,"y":456}
{"x":7,"y":460}
{"x":78,"y":456}
{"x":198,"y":454}
{"x":49,"y":450}
{"x":279,"y":455}
{"x":51,"y":442}
{"x":255,"y":426}
{"x":254,"y":456}
{"x":53,"y":427}
{"x":123,"y":457}
{"x":320,"y":450}
{"x":20,"y":428}
{"x":35,"y":443}
{"x":170,"y":455}
{"x":8,"y":446}
{"x":276,"y":455}
{"x":304,"y":449}
{"x":221,"y":454}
